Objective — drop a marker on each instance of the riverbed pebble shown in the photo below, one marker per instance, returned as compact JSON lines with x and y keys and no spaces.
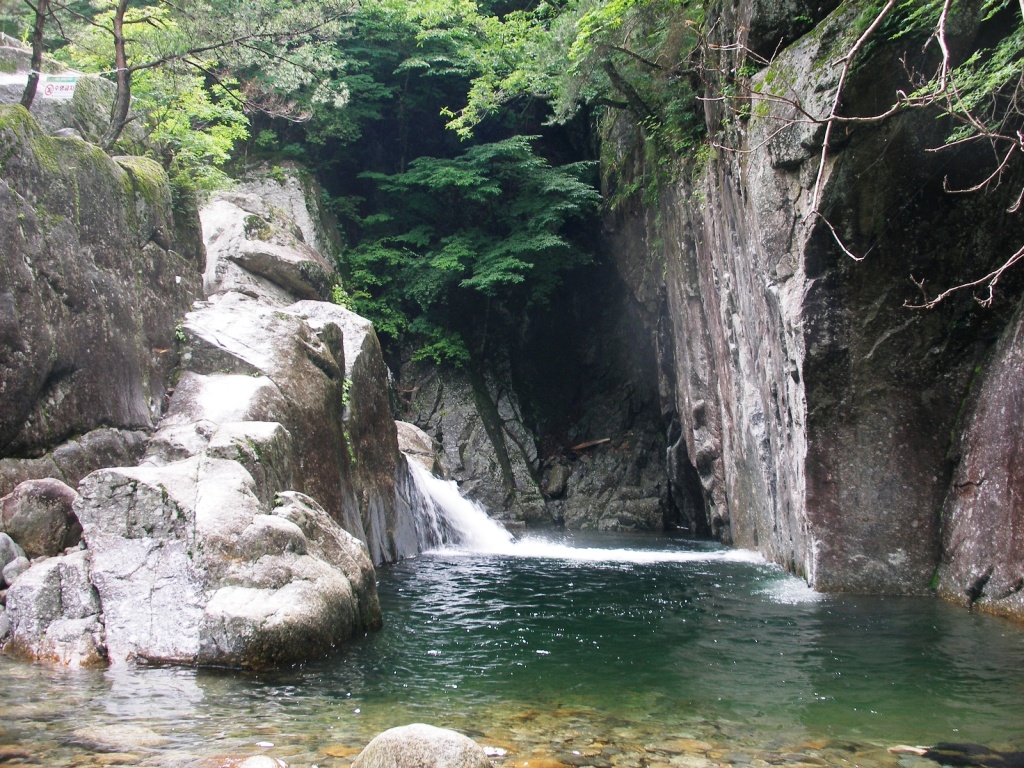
{"x":262,"y":761}
{"x":422,"y":746}
{"x":120,"y":737}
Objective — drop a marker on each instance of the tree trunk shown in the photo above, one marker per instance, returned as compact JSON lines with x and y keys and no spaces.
{"x":123,"y":98}
{"x":29,"y":95}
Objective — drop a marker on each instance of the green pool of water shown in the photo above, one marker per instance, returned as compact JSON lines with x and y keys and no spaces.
{"x":614,"y":651}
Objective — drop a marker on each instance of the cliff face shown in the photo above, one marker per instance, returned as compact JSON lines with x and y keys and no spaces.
{"x":814,"y":407}
{"x":98,"y":266}
{"x":239,"y":474}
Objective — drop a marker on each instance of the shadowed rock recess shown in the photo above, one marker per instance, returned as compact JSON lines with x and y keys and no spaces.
{"x":244,"y":530}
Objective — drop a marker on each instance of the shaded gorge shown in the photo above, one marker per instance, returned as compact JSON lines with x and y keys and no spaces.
{"x":589,"y":649}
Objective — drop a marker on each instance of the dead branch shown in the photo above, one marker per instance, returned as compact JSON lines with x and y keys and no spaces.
{"x":847,"y":61}
{"x":989,"y":281}
{"x":591,"y":444}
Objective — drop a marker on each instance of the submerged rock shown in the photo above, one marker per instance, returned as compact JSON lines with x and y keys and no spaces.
{"x":422,"y":746}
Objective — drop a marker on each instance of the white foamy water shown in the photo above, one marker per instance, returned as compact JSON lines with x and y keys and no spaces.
{"x":457,"y":525}
{"x":791,"y":590}
{"x":453,"y":521}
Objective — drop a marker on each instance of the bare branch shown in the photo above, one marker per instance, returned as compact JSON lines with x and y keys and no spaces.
{"x":847,"y":61}
{"x":982,"y":184}
{"x":989,"y":281}
{"x":838,"y":239}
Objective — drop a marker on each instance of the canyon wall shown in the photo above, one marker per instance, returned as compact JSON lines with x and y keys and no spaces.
{"x":814,"y":406}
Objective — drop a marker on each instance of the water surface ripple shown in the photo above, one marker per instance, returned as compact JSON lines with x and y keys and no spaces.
{"x":581,"y":650}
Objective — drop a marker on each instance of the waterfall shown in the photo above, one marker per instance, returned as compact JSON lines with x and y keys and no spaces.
{"x":449,"y":520}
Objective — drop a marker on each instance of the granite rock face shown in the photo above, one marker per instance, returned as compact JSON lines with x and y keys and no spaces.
{"x":235,"y":534}
{"x":478,"y":422}
{"x":54,"y":613}
{"x":983,"y":540}
{"x":812,"y":409}
{"x":96,"y":270}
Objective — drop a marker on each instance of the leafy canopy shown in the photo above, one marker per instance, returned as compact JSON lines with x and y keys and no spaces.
{"x":457,"y":238}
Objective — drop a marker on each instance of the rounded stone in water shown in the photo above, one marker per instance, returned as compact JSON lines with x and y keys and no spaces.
{"x":422,"y":746}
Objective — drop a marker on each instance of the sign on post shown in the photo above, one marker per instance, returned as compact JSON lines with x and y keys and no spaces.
{"x":60,"y":87}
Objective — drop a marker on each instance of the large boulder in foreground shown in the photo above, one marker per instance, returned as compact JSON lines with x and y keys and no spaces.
{"x":422,"y":746}
{"x":191,"y":568}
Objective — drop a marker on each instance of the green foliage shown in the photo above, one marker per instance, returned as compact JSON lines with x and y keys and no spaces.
{"x":194,"y":127}
{"x":637,"y":55}
{"x":462,"y":238}
{"x":983,"y":91}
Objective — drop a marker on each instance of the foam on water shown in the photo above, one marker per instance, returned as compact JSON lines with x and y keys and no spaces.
{"x":789,"y":590}
{"x":461,"y":526}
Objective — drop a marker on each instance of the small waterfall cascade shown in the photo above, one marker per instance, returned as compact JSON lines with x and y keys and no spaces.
{"x":449,"y":520}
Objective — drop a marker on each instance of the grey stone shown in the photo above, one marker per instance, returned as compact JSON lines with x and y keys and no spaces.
{"x":256,"y":248}
{"x":262,"y":761}
{"x":54,"y":613}
{"x":14,"y":569}
{"x":811,"y":410}
{"x":421,"y":448}
{"x":191,"y":568}
{"x":422,"y":746}
{"x":380,"y":470}
{"x":983,"y":542}
{"x":9,"y":550}
{"x":85,"y":340}
{"x":72,"y":460}
{"x":88,"y":110}
{"x":494,"y":467}
{"x":38,"y":515}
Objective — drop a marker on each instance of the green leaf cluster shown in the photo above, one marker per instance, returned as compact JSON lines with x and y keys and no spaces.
{"x":193,"y":124}
{"x":459,"y":243}
{"x":636,"y":55}
{"x":984,"y":90}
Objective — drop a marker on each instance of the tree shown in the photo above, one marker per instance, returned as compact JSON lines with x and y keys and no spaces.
{"x":459,"y":241}
{"x":273,"y":49}
{"x":40,"y":11}
{"x":632,"y":55}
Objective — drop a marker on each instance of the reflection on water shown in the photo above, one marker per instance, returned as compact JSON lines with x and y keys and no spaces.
{"x":628,"y":651}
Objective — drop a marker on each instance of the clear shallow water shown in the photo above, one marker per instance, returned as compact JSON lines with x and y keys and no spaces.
{"x":626,"y":651}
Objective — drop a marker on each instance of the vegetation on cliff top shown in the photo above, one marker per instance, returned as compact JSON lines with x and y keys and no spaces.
{"x":415,"y":112}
